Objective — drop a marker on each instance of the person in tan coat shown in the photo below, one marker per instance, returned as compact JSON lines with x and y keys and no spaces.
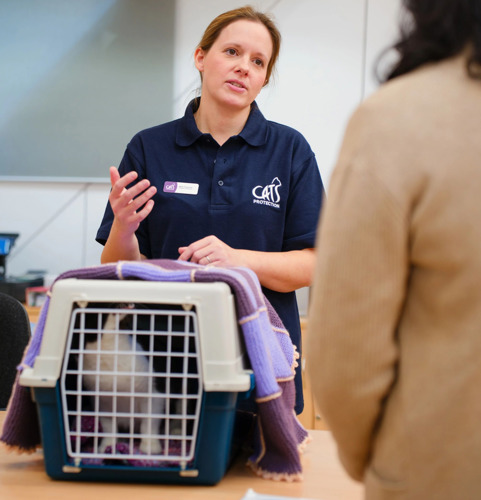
{"x":394,"y":332}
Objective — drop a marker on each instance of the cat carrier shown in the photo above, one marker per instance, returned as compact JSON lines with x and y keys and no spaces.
{"x":139,"y":380}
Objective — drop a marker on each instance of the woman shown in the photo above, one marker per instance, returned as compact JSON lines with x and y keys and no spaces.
{"x":395,"y":319}
{"x":223,"y":186}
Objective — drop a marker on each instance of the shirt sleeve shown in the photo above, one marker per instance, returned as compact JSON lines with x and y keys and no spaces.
{"x":306,"y":193}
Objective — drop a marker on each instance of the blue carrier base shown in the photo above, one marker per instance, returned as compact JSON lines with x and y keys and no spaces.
{"x":213,"y":454}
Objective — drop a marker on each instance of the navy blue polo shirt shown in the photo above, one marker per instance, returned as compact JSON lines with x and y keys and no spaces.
{"x":261,"y":190}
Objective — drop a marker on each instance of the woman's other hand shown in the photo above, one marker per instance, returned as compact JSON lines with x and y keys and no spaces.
{"x":279,"y":271}
{"x":211,"y":250}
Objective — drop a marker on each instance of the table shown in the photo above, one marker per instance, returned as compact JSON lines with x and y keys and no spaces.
{"x":33,"y":313}
{"x":22,"y":477}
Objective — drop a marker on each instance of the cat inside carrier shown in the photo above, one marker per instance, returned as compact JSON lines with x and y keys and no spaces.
{"x":139,"y":380}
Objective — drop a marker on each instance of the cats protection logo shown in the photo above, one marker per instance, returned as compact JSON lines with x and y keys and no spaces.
{"x":268,"y":195}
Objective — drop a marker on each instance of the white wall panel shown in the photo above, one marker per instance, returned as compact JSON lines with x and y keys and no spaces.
{"x":95,"y":201}
{"x":319,"y":74}
{"x":57,"y":223}
{"x":50,"y":220}
{"x":382,"y":31}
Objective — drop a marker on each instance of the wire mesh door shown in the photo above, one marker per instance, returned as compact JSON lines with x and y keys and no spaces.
{"x":131,"y":384}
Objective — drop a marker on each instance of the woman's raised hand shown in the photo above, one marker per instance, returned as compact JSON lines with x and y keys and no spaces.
{"x":130,"y":205}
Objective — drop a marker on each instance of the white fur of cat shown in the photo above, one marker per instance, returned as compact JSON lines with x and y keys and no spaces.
{"x":146,"y":404}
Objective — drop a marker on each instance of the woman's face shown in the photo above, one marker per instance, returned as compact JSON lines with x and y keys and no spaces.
{"x":234,"y":68}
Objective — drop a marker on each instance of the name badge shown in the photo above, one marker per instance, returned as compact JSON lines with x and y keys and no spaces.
{"x":181,"y":187}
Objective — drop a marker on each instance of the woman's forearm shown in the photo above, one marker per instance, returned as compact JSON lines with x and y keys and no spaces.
{"x":120,"y":246}
{"x":282,"y":271}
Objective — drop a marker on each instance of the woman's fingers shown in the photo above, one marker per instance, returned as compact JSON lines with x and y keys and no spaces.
{"x":120,"y":184}
{"x":141,"y":191}
{"x":114,"y":175}
{"x":195,"y":251}
{"x":199,"y":250}
{"x":137,"y":202}
{"x":130,"y":205}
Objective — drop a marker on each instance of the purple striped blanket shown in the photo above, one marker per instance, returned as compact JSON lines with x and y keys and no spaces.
{"x":279,"y":438}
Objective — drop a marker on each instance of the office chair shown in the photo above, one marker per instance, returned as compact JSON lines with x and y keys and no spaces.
{"x":14,"y":337}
